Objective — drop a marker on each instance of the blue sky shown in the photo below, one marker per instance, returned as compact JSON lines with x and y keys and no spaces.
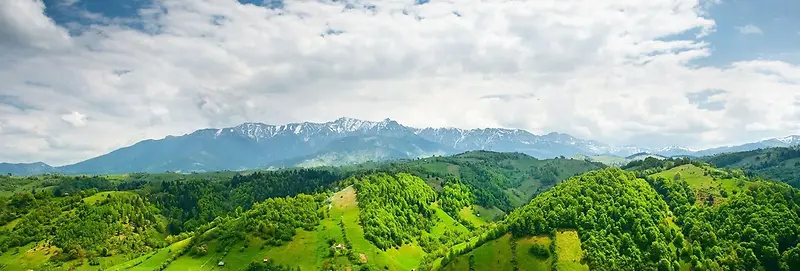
{"x":615,"y":71}
{"x":778,"y":38}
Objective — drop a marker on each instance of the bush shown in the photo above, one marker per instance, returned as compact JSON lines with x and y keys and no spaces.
{"x":539,"y":251}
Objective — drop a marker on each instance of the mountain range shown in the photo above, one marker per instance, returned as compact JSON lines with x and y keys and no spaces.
{"x":338,"y":142}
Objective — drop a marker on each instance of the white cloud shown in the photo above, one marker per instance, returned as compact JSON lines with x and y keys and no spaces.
{"x":75,"y":118}
{"x":597,"y":69}
{"x":750,"y":29}
{"x":23,"y":24}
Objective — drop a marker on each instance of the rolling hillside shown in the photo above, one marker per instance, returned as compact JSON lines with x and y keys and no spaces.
{"x":438,"y":213}
{"x":779,"y":164}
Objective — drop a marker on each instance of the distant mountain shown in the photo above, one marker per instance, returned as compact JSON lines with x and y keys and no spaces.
{"x":342,"y":141}
{"x":642,"y":156}
{"x":26,"y":168}
{"x":507,"y":140}
{"x":358,"y":149}
{"x":784,"y":142}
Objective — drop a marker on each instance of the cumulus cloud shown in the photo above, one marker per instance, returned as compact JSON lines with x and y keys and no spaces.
{"x":600,"y":70}
{"x":23,"y":24}
{"x":750,"y":29}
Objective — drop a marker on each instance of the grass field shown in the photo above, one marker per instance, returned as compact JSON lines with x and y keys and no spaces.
{"x":526,"y":261}
{"x":97,"y":197}
{"x":446,"y":222}
{"x":151,"y":261}
{"x":31,"y":256}
{"x":467,"y":213}
{"x":345,"y":206}
{"x":702,"y":183}
{"x":568,"y":248}
{"x":496,"y":255}
{"x":491,"y":256}
{"x":10,"y":225}
{"x":488,"y":214}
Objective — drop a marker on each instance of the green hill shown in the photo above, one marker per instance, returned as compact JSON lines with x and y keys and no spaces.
{"x":780,"y":164}
{"x":710,"y":185}
{"x":498,"y":180}
{"x":621,"y":220}
{"x":473,"y":211}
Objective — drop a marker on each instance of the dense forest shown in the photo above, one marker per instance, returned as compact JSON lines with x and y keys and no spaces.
{"x":490,"y":176}
{"x":759,"y":228}
{"x":394,"y":209}
{"x":564,"y":214}
{"x":622,"y":221}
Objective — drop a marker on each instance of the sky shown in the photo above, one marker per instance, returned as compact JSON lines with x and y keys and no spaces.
{"x":80,"y":78}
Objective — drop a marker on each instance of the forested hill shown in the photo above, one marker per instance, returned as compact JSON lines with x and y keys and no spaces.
{"x":782,"y":164}
{"x":685,"y":216}
{"x":472,"y":211}
{"x":498,"y":180}
{"x":92,"y":222}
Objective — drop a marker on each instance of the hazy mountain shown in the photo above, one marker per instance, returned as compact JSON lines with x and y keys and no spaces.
{"x":343,"y":141}
{"x":26,"y":168}
{"x":357,"y":149}
{"x":787,"y":141}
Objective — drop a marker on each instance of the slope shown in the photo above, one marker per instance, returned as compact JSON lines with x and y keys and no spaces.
{"x":498,"y":180}
{"x":710,"y":185}
{"x":779,"y":164}
{"x":339,"y":240}
{"x":621,"y":220}
{"x":755,"y":228}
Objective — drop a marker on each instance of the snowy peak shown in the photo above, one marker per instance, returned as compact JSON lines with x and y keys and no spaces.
{"x":787,"y":140}
{"x":497,"y":139}
{"x":675,"y":148}
{"x":343,"y":125}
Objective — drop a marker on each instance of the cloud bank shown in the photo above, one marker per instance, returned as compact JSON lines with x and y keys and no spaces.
{"x":610,"y":71}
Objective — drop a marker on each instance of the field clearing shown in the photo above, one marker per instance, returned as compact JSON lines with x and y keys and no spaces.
{"x":446,"y":222}
{"x":494,"y":255}
{"x":488,"y":214}
{"x":100,"y":196}
{"x":10,"y":225}
{"x":151,"y":261}
{"x":301,"y":252}
{"x":31,"y":256}
{"x":526,"y":261}
{"x":407,"y":257}
{"x":467,"y":213}
{"x":568,"y":248}
{"x":703,"y":183}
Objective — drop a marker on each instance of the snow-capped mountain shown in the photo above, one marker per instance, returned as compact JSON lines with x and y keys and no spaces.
{"x":344,"y":140}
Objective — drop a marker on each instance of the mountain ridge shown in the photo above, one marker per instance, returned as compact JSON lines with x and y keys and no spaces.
{"x":258,"y":145}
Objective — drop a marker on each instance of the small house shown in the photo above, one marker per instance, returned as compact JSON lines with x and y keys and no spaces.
{"x":221,"y":263}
